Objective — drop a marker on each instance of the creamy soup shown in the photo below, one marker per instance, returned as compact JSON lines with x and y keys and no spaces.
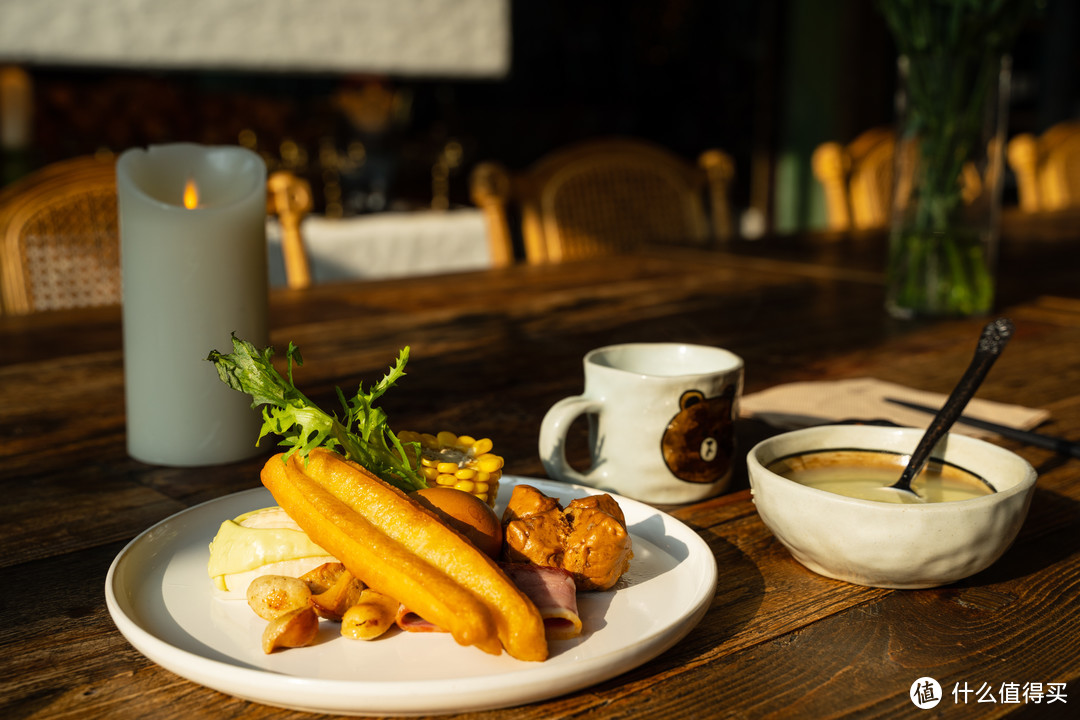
{"x":863,"y":474}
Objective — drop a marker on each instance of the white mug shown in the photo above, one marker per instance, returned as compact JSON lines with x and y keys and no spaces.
{"x":661,"y":421}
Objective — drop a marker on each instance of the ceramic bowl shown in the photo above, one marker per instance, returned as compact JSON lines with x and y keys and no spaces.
{"x":884,"y":544}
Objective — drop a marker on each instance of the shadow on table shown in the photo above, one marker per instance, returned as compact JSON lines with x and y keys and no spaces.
{"x":1048,"y":536}
{"x":748,"y":433}
{"x":740,"y":590}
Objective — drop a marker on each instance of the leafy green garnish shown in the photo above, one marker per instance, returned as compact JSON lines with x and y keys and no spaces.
{"x":362,"y":434}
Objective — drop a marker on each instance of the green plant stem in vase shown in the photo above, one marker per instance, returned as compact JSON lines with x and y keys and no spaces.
{"x":949,"y":152}
{"x":943,"y":239}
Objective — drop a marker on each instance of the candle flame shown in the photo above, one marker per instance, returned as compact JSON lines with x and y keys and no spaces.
{"x":191,"y":195}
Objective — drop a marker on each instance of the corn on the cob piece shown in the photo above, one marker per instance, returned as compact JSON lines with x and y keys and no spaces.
{"x":464,"y":462}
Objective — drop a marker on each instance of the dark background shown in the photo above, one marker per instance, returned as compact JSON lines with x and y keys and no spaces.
{"x":767,"y":81}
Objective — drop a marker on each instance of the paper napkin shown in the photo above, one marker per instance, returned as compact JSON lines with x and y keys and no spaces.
{"x":801,"y":404}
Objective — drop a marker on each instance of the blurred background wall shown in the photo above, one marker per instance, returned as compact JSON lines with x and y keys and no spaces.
{"x":766,"y":80}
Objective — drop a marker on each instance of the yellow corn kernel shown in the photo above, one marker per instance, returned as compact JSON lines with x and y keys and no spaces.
{"x":480,"y":447}
{"x":489,"y":463}
{"x":464,"y":462}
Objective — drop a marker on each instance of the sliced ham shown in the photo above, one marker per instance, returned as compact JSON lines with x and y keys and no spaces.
{"x":551,"y":589}
{"x":553,"y":592}
{"x":409,"y":621}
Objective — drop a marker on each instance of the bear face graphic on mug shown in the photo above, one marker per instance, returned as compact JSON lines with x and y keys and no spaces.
{"x":699,"y":442}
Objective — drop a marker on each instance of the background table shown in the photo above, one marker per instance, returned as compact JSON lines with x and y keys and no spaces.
{"x":386,"y":245}
{"x":491,"y":351}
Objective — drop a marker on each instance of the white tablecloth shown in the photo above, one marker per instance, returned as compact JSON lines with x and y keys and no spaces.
{"x":384,"y":245}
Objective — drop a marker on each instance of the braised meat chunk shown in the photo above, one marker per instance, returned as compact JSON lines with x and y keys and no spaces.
{"x":588,"y":538}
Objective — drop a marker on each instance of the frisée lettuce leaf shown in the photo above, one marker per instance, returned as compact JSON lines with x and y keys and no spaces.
{"x":362,"y":433}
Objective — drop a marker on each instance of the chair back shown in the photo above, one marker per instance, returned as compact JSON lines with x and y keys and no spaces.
{"x":1047,"y":168}
{"x":289,"y":197}
{"x":866,"y":179}
{"x":605,"y":196}
{"x":60,"y":239}
{"x":857,"y":179}
{"x":60,"y":235}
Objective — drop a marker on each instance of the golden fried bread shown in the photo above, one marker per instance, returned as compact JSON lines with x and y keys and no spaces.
{"x":394,"y":545}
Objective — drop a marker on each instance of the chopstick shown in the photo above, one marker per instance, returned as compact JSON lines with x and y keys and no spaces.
{"x":1061,"y":445}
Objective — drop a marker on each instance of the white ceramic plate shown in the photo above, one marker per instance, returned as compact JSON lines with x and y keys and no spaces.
{"x":163,"y":602}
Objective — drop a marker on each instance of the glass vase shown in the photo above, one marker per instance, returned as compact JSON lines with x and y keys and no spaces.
{"x":951,"y":115}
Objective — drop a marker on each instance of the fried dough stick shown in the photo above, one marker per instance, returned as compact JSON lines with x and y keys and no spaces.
{"x":396,"y":546}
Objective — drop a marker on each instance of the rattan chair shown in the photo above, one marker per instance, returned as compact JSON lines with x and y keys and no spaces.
{"x":865,"y":179}
{"x":289,"y":197}
{"x":857,"y":179}
{"x":60,"y":240}
{"x":602,"y":197}
{"x":1047,"y":168}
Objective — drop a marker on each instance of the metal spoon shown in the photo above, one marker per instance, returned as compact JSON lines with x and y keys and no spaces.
{"x":993,"y":340}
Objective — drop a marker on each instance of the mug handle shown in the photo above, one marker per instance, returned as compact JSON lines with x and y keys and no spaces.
{"x":553,"y":431}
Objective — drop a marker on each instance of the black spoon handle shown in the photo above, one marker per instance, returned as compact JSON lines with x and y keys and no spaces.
{"x":993,"y":340}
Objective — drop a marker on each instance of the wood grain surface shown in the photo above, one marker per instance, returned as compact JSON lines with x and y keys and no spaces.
{"x":491,"y":352}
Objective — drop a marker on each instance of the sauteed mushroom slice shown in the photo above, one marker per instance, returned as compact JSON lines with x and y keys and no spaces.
{"x":370,"y":617}
{"x":344,"y":593}
{"x":271,"y":596}
{"x":295,"y":628}
{"x":322,"y":578}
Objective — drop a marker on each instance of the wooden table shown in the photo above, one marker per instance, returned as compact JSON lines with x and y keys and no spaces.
{"x":491,"y":351}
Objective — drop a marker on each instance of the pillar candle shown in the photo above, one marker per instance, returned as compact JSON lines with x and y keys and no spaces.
{"x":191,"y":278}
